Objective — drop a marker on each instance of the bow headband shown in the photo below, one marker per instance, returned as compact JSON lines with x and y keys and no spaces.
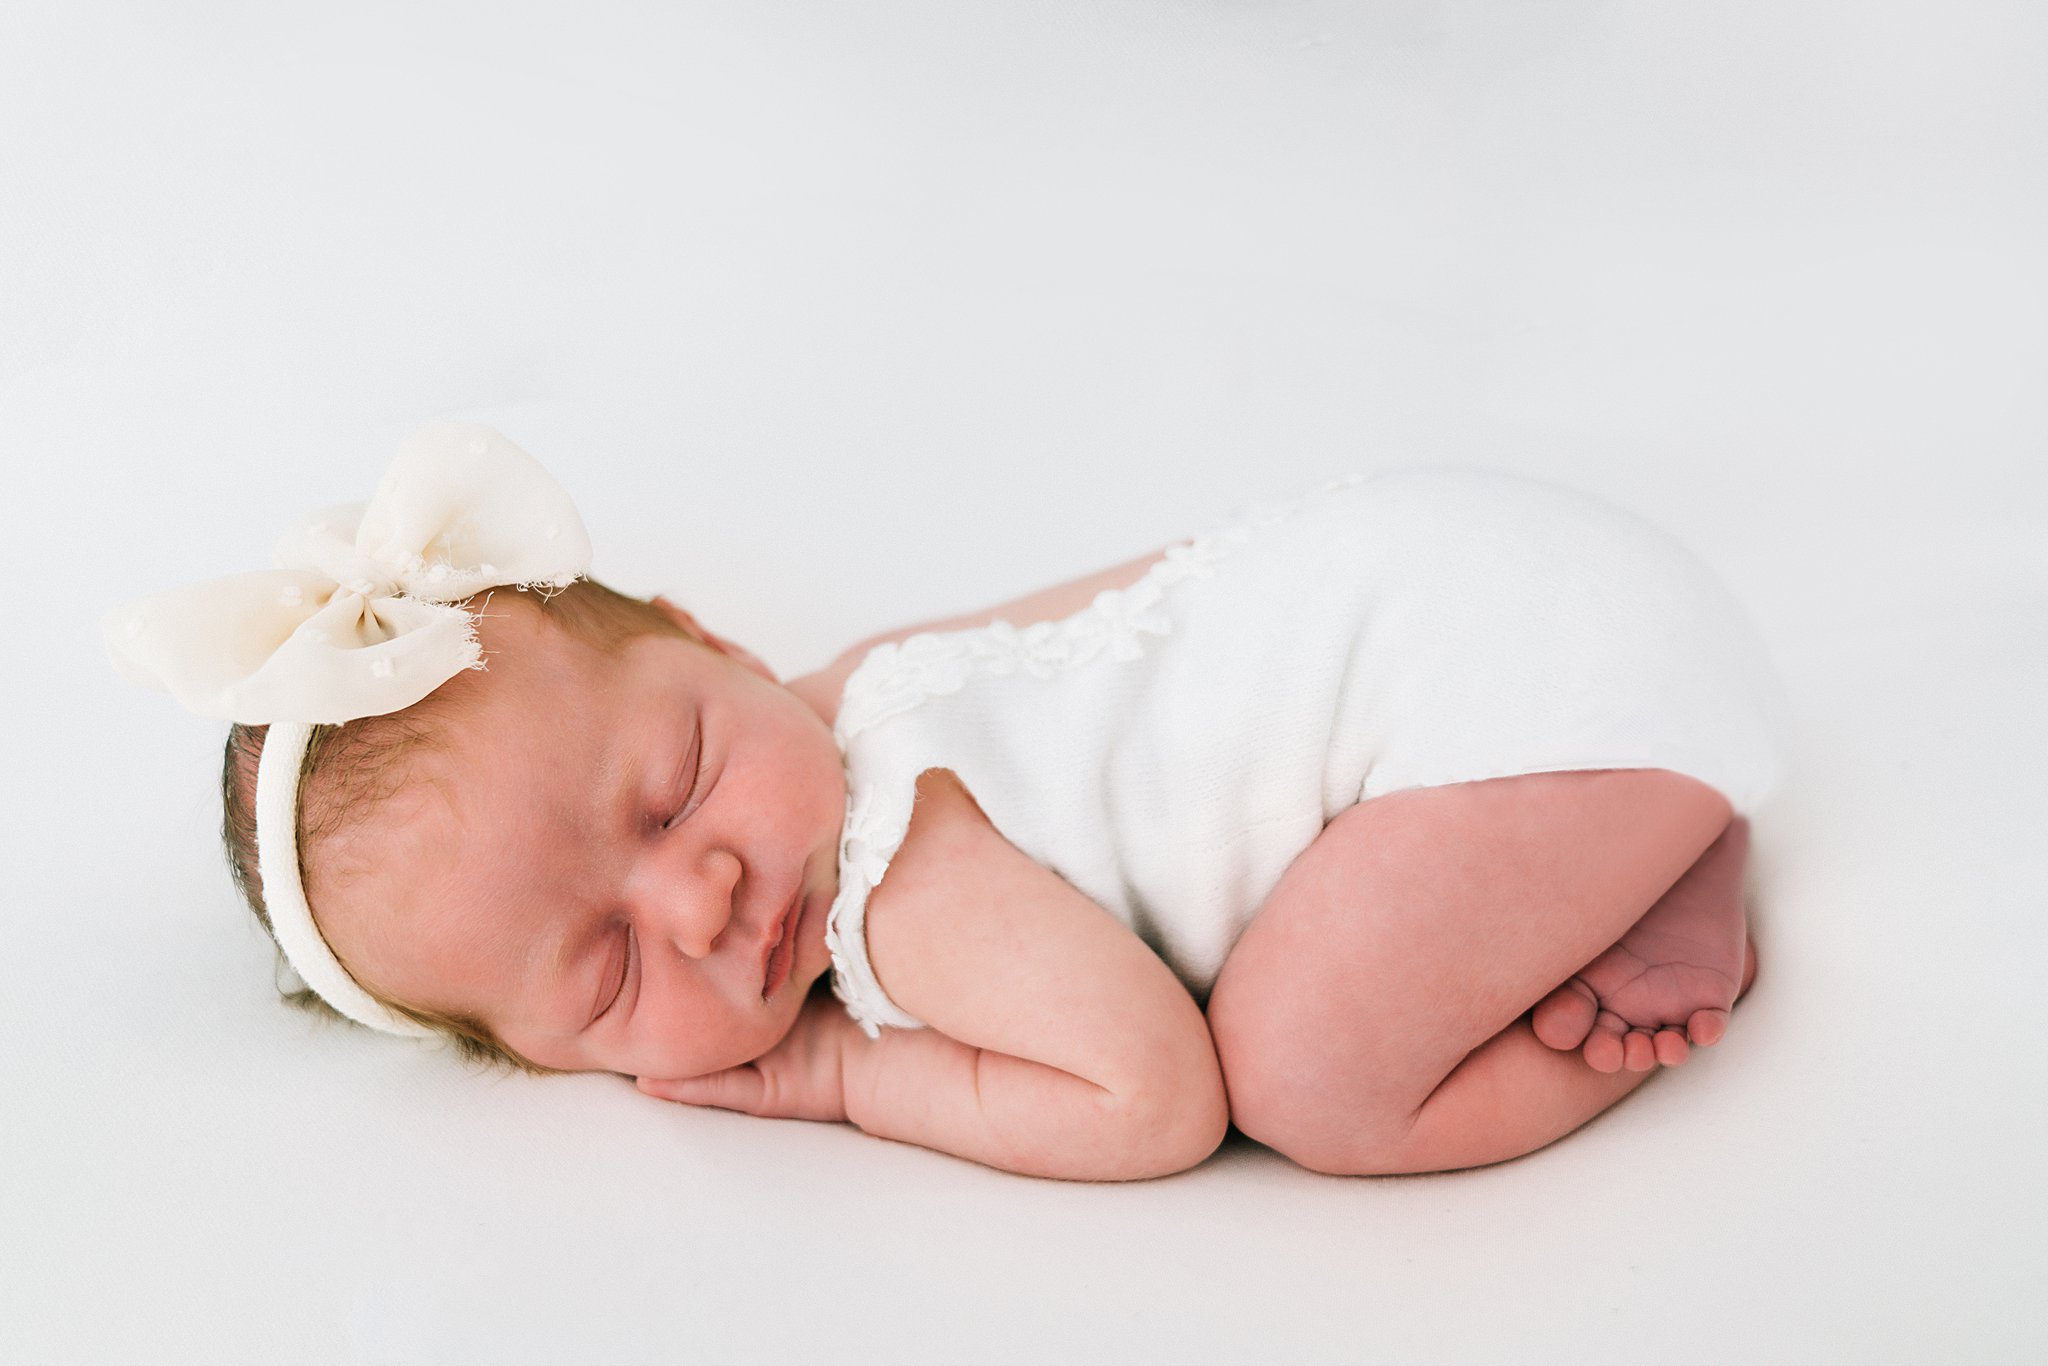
{"x":356,"y":620}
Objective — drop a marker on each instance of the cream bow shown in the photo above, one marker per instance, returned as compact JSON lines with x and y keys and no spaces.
{"x":356,"y":620}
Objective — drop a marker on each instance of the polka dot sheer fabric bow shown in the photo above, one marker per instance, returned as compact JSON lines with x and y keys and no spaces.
{"x":357,"y":619}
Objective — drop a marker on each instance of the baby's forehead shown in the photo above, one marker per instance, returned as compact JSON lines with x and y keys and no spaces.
{"x":547,"y":684}
{"x":460,"y":794}
{"x":529,"y":661}
{"x":542,"y":690}
{"x":399,"y":825}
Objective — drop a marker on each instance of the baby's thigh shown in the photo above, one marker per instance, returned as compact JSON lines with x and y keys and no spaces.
{"x":1420,"y":924}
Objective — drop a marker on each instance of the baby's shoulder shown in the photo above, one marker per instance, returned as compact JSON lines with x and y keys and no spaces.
{"x":951,"y":851}
{"x":950,"y":845}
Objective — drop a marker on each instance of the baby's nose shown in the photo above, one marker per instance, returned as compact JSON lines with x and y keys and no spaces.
{"x":691,"y":909}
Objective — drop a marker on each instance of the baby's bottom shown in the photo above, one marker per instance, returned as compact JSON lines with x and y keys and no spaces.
{"x":1374,"y":1017}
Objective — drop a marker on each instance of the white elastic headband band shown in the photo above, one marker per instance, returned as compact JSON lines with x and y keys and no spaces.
{"x":284,"y":896}
{"x":356,"y":620}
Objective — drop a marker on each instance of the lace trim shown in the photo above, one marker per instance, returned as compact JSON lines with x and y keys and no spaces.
{"x":877,"y":820}
{"x":898,"y":676}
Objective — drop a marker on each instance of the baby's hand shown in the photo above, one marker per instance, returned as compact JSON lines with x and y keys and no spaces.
{"x":799,"y":1078}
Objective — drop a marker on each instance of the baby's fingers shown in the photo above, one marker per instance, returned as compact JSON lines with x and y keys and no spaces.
{"x":736,"y":1088}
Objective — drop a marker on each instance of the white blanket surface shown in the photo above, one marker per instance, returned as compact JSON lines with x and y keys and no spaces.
{"x":835,"y":319}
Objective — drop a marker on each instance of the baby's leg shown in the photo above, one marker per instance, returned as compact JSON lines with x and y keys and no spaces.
{"x":1370,"y":1019}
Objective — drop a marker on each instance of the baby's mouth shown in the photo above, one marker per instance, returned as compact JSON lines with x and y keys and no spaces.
{"x":776,"y":964}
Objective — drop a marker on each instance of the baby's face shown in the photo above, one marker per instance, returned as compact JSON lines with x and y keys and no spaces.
{"x":599,"y":863}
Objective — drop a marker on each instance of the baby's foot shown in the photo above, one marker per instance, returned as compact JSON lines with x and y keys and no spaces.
{"x":1672,"y":977}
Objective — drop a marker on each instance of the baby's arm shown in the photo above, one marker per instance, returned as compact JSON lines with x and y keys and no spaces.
{"x":1060,"y":1044}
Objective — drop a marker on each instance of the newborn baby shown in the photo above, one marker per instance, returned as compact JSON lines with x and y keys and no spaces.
{"x":1402,"y":825}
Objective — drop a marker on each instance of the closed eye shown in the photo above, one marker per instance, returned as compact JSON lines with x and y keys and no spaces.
{"x":696,"y":781}
{"x":625,"y":971}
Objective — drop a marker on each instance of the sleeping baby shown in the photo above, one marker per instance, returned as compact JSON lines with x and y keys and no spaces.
{"x":1401,"y":824}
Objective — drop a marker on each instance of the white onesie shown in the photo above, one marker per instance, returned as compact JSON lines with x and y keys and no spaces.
{"x":1172,"y":747}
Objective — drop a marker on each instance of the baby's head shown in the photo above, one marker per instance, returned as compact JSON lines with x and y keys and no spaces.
{"x":579,"y":857}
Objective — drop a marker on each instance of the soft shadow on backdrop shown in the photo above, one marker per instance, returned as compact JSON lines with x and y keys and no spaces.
{"x":837,"y":318}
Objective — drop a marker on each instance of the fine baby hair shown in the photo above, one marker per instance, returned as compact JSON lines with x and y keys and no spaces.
{"x":363,"y":619}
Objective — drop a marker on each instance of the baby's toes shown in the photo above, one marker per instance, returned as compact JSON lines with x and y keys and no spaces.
{"x":1705,"y":1027}
{"x":1638,"y":1053}
{"x":1670,"y":1046}
{"x":1604,"y":1051}
{"x":1564,"y":1018}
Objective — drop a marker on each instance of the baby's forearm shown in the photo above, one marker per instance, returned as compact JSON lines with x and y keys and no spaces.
{"x":921,"y":1086}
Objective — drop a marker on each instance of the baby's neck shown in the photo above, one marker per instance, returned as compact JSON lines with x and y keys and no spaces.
{"x":821,"y":691}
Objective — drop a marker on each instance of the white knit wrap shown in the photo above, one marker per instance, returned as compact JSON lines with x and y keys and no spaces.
{"x":357,"y":619}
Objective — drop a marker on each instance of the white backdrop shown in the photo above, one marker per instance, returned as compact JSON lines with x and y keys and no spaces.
{"x":835,"y":318}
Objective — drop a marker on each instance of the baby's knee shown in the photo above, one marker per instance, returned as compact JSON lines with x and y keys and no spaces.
{"x":1282,"y":1093}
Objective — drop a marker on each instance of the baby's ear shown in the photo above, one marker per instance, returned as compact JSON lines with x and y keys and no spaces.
{"x":729,"y":649}
{"x":678,"y":616}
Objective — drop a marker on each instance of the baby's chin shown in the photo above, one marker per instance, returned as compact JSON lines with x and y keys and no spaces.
{"x":797,"y":996}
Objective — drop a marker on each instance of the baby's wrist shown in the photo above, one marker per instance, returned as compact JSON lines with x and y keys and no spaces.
{"x":854,"y":1051}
